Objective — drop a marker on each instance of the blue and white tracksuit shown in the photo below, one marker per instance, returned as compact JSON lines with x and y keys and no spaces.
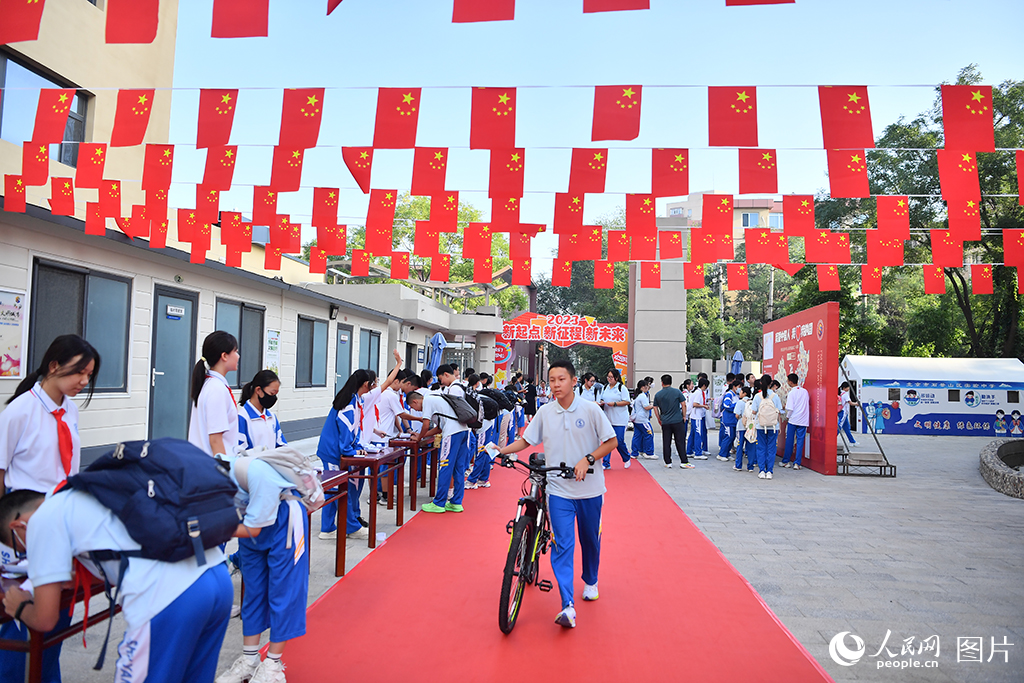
{"x":482,"y":464}
{"x":584,"y":514}
{"x":643,"y":434}
{"x":258,"y":430}
{"x":727,"y":430}
{"x":340,"y":437}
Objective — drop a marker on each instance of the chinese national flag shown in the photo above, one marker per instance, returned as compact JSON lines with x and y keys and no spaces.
{"x":483,"y":270}
{"x":643,"y":248}
{"x":137,"y":225}
{"x":1020,"y":176}
{"x":317,"y":261}
{"x":426,"y":240}
{"x":493,"y":119}
{"x":444,"y":211}
{"x":430,"y":164}
{"x":286,"y":236}
{"x":894,"y":216}
{"x":52,"y":114}
{"x":398,"y":113}
{"x":964,"y":219}
{"x":640,"y":219}
{"x":156,"y":170}
{"x":271,"y":258}
{"x":235,"y":234}
{"x":584,"y":245}
{"x":765,"y":246}
{"x":738,"y":278}
{"x":286,"y":171}
{"x":360,"y":263}
{"x":399,"y":265}
{"x":156,"y":205}
{"x":439,"y":267}
{"x":618,"y":246}
{"x":522,"y":273}
{"x":62,"y":197}
{"x":870,"y":279}
{"x":958,"y":174}
{"x":332,"y":239}
{"x":359,"y":161}
{"x":732,"y":117}
{"x":110,"y":199}
{"x":506,"y":178}
{"x":92,"y":157}
{"x":561,"y":273}
{"x":693,"y":275}
{"x":483,"y":10}
{"x":35,"y":163}
{"x":670,"y":172}
{"x":220,"y":166}
{"x":703,"y":246}
{"x":716,"y":213}
{"x":828,"y":279}
{"x":476,"y":241}
{"x":759,"y":173}
{"x":158,"y":234}
{"x":823,"y":246}
{"x":95,"y":223}
{"x":131,"y":118}
{"x":981,"y":278}
{"x":264,"y":205}
{"x":519,"y":246}
{"x":650,"y":275}
{"x":216,"y":116}
{"x":240,"y":18}
{"x":604,"y":274}
{"x":14,"y":194}
{"x":132,"y":21}
{"x":845,"y":116}
{"x":670,"y":245}
{"x":187,"y":221}
{"x":884,"y":250}
{"x":847,"y":173}
{"x":588,"y":170}
{"x":325,"y":206}
{"x":301,"y":112}
{"x":934,"y":280}
{"x":505,"y":214}
{"x":207,"y":204}
{"x":568,"y":212}
{"x":614,"y":5}
{"x":19,"y":20}
{"x":1013,"y":247}
{"x":798,"y":215}
{"x":947,"y":250}
{"x":616,"y":112}
{"x":967,"y":121}
{"x":380,"y":219}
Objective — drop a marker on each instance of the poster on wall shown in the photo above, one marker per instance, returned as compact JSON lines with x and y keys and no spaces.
{"x":12,"y":332}
{"x":272,"y":356}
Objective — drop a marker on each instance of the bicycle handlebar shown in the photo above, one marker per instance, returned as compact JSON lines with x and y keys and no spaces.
{"x":566,"y":471}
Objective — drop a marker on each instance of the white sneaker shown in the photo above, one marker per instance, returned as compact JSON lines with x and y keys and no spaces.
{"x":722,"y":458}
{"x":590,"y":592}
{"x":768,"y":476}
{"x":269,"y":671}
{"x":567,"y":617}
{"x":328,"y":535}
{"x":241,"y":670}
{"x":471,"y":486}
{"x":760,"y":475}
{"x":797,"y":467}
{"x":668,"y":466}
{"x":699,"y":457}
{"x":236,"y":610}
{"x":626,"y":464}
{"x":785,"y":464}
{"x":484,"y":485}
{"x":362,"y":532}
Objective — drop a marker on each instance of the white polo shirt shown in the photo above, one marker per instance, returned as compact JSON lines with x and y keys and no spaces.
{"x":642,"y":408}
{"x":692,"y":399}
{"x":388,"y":408}
{"x":215,"y":413}
{"x":29,"y":450}
{"x":617,"y":415}
{"x":798,"y":407}
{"x":442,"y":414}
{"x":568,"y":436}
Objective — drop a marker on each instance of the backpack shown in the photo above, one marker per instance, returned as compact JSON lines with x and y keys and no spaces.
{"x":490,"y":406}
{"x":293,"y":466}
{"x":465,"y":412}
{"x":498,"y":397}
{"x":767,"y":413}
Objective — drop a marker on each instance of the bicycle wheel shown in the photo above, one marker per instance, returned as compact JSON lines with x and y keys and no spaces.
{"x":518,"y":572}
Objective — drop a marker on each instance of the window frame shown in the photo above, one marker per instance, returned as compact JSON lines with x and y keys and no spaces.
{"x":312,"y":320}
{"x":242,"y":306}
{"x":757,"y":221}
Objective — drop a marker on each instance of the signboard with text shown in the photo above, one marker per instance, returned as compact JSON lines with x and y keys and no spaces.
{"x":568,"y":330}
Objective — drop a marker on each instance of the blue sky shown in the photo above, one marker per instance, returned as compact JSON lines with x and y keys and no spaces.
{"x":553,"y":53}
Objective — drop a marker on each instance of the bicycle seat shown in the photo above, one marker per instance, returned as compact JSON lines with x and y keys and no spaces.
{"x":537,"y":459}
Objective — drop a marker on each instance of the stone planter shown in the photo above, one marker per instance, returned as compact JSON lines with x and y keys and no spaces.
{"x":998,"y":460}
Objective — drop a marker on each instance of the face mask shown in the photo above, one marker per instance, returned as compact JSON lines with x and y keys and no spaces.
{"x":268,"y":401}
{"x":19,"y":554}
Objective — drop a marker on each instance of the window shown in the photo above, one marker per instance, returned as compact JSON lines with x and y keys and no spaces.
{"x":894,"y":394}
{"x":1013,"y":397}
{"x":311,"y":353}
{"x":96,"y":306}
{"x":18,"y":110}
{"x":246,"y":323}
{"x":675,"y":211}
{"x":954,"y":395}
{"x":750,"y":220}
{"x":369,"y":350}
{"x":775,"y":221}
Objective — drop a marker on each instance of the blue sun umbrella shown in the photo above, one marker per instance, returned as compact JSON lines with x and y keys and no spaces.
{"x":437,"y":345}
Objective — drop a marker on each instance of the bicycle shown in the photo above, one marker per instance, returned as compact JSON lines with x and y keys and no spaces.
{"x":530,"y":534}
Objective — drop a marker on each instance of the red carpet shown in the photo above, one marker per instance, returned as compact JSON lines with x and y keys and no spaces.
{"x":424,"y":605}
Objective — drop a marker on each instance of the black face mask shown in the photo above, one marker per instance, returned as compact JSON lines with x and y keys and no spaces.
{"x":267,"y":401}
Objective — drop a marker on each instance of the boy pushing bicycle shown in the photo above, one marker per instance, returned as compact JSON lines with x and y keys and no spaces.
{"x":577,"y":433}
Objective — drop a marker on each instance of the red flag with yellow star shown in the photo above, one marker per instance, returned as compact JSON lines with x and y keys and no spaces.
{"x":187,"y":221}
{"x":693,"y":276}
{"x":156,"y":170}
{"x":429,"y":167}
{"x":798,"y":215}
{"x":52,"y":114}
{"x":360,"y":263}
{"x":62,"y":197}
{"x":19,"y":21}
{"x":35,"y":163}
{"x":561,"y":273}
{"x":604,"y":274}
{"x":235,"y":234}
{"x":845,"y":116}
{"x":201,"y":237}
{"x":156,"y":205}
{"x":398,"y":115}
{"x":616,"y":112}
{"x":216,"y":116}
{"x":704,"y":246}
{"x":325,"y":206}
{"x":588,"y":170}
{"x":870,"y":279}
{"x":519,"y":245}
{"x":92,"y":157}
{"x":207,"y":204}
{"x":301,"y":112}
{"x":136,"y":225}
{"x":765,"y":246}
{"x":505,"y":214}
{"x":618,"y":246}
{"x":670,"y":172}
{"x":95,"y":223}
{"x":981,"y":278}
{"x":964,"y":219}
{"x":399,"y":265}
{"x":824,"y":246}
{"x":483,"y":10}
{"x":614,"y":5}
{"x":584,"y":245}
{"x":828,"y":279}
{"x":317,"y":261}
{"x":359,"y":161}
{"x":483,"y":270}
{"x":332,"y":238}
{"x":732,"y":116}
{"x":958,"y":174}
{"x":522,"y":272}
{"x":476,"y":241}
{"x":1013,"y":247}
{"x":640,"y":215}
{"x":493,"y":119}
{"x":967,"y":121}
{"x":847,"y":173}
{"x":286,"y":236}
{"x":884,"y":250}
{"x":110,"y":198}
{"x":131,"y":119}
{"x":380,"y":219}
{"x":894,"y":216}
{"x":132,"y":21}
{"x":426,"y":239}
{"x":220,"y":166}
{"x":240,"y":19}
{"x":440,"y":266}
{"x":947,"y":250}
{"x":934,"y":279}
{"x":650,"y":275}
{"x":759,"y":173}
{"x":670,"y":244}
{"x":286,"y":170}
{"x":158,"y":234}
{"x":568,"y":212}
{"x":444,"y":211}
{"x":643,"y":247}
{"x":271,"y":258}
{"x":264,"y":205}
{"x":14,"y":193}
{"x":506,"y":177}
{"x":716,"y":213}
{"x":738,"y":277}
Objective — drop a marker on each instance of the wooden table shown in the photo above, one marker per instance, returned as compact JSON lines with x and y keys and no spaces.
{"x":418,"y":450}
{"x":389,"y":463}
{"x":333,"y":479}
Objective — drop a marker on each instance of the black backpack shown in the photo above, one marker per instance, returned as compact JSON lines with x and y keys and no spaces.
{"x":466,"y":408}
{"x":490,"y":407}
{"x":498,"y":397}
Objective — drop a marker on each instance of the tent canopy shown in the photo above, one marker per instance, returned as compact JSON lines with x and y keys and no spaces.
{"x":935,"y":369}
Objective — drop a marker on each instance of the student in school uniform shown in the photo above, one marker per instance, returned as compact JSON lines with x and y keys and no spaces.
{"x":643,"y":435}
{"x":480,"y":472}
{"x":740,"y":412}
{"x":615,"y":401}
{"x":257,"y":426}
{"x":727,"y":431}
{"x":176,"y":612}
{"x":697,"y":403}
{"x":453,"y":454}
{"x":589,"y":389}
{"x":40,"y":448}
{"x":767,"y":435}
{"x":213,"y":426}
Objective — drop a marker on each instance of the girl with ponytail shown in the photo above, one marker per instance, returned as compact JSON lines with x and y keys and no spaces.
{"x":213,"y":426}
{"x":257,"y":426}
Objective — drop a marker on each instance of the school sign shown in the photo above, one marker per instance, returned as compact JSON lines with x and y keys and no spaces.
{"x":565,"y":330}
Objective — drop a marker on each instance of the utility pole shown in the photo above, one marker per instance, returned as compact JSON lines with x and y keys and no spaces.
{"x":771,"y":293}
{"x":721,"y":307}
